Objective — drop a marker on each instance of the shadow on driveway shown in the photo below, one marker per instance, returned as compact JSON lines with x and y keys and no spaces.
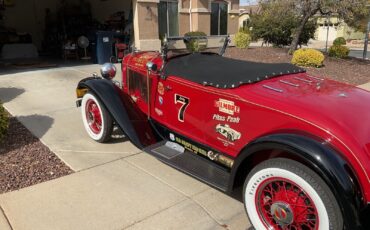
{"x":18,"y":137}
{"x":39,"y":124}
{"x":8,"y":94}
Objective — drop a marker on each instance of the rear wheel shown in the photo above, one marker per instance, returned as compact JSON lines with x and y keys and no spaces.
{"x":97,"y":121}
{"x":284,"y":194}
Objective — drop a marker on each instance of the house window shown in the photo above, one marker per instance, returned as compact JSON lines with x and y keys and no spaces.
{"x":246,"y":23}
{"x":168,"y":18}
{"x":219,"y":18}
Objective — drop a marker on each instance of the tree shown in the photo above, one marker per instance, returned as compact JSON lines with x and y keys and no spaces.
{"x":351,"y":11}
{"x":275,"y":24}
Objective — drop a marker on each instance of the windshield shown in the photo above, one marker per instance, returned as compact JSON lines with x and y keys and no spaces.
{"x":174,"y":46}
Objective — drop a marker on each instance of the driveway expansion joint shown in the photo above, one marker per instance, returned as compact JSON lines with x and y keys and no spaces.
{"x":6,"y":218}
{"x":105,"y":163}
{"x":179,"y":191}
{"x":153,"y":214}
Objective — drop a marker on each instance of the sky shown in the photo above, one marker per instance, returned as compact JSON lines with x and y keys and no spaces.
{"x":247,"y":2}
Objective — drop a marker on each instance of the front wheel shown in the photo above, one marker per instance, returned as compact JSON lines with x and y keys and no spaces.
{"x":97,"y":121}
{"x":284,"y":194}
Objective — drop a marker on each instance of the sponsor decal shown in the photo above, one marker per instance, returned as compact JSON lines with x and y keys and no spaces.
{"x":158,"y":112}
{"x":160,"y":88}
{"x":230,"y":119}
{"x":224,"y":160}
{"x":160,"y":99}
{"x":191,"y":147}
{"x":226,"y":106}
{"x":229,"y":133}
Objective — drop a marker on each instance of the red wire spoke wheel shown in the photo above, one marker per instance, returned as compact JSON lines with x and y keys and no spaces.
{"x":97,"y":121}
{"x":93,"y":116}
{"x":282,"y":194}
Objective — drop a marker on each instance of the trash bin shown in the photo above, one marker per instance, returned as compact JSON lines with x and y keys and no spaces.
{"x":104,"y":46}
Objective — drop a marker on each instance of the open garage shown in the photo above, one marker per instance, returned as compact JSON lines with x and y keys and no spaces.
{"x":97,"y":31}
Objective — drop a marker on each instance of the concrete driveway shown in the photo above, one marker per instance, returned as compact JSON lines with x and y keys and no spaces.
{"x":116,"y":186}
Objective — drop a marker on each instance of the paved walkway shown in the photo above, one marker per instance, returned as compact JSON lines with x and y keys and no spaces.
{"x":115,"y":186}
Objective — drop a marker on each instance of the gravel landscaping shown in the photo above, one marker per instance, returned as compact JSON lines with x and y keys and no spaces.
{"x":352,"y":71}
{"x":25,"y":161}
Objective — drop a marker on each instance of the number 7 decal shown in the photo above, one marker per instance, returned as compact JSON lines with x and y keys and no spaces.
{"x":184,"y":101}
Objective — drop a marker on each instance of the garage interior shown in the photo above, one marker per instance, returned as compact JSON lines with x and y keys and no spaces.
{"x":51,"y":33}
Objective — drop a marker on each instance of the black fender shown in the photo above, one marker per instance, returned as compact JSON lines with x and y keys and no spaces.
{"x":121,"y":108}
{"x":321,"y":158}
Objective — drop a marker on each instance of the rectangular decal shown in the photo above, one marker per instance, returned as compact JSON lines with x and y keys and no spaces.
{"x":191,"y":147}
{"x":227,"y":106}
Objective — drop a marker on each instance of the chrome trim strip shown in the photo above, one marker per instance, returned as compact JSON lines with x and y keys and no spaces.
{"x":304,"y":80}
{"x":289,"y":83}
{"x":317,"y":78}
{"x":272,"y":88}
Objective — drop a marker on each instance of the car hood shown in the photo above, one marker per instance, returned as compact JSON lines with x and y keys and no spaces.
{"x":340,"y":109}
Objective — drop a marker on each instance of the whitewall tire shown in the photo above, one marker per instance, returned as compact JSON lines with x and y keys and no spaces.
{"x":284,"y":194}
{"x":96,"y":119}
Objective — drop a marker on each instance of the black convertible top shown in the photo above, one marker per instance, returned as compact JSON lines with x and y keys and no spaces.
{"x":214,"y":70}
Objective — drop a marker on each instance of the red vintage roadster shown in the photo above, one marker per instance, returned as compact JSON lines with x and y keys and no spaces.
{"x":298,"y":145}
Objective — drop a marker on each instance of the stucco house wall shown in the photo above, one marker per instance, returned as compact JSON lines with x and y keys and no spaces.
{"x":194,"y":15}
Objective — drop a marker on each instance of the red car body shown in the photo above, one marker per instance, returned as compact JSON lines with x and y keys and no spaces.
{"x":320,"y":123}
{"x":331,"y":111}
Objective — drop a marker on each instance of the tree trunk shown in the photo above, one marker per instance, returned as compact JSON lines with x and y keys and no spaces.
{"x":298,"y":33}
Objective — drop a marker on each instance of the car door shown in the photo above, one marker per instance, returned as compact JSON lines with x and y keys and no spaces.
{"x":179,"y":107}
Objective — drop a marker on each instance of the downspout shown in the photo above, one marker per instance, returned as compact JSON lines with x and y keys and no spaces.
{"x":190,"y":17}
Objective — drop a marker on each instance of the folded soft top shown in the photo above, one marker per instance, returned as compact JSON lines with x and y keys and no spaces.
{"x":217,"y":71}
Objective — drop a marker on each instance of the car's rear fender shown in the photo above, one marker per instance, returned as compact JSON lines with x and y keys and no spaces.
{"x":124,"y":112}
{"x":321,"y":158}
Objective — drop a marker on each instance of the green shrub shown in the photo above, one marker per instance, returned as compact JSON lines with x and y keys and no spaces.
{"x":196,"y":44}
{"x":276,"y":24}
{"x":242,"y":40}
{"x":243,"y":30}
{"x":340,"y":41}
{"x":4,"y":121}
{"x":308,"y":57}
{"x":338,"y":51}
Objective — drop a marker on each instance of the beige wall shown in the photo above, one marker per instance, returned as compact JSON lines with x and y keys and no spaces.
{"x":232,"y":24}
{"x":184,"y":23}
{"x":146,"y":25}
{"x":202,"y":22}
{"x":201,"y":18}
{"x":185,"y":4}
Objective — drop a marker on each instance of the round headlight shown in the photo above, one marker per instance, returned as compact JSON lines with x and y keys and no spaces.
{"x":108,"y":71}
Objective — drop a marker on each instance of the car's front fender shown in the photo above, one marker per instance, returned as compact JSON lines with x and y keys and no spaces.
{"x":122,"y":109}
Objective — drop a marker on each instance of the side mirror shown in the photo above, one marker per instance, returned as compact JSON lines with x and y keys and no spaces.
{"x":108,"y":71}
{"x":151,"y":66}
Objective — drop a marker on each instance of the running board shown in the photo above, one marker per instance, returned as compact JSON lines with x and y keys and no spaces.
{"x":190,"y":163}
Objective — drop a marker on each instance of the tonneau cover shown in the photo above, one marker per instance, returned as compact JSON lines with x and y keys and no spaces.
{"x":217,"y":71}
